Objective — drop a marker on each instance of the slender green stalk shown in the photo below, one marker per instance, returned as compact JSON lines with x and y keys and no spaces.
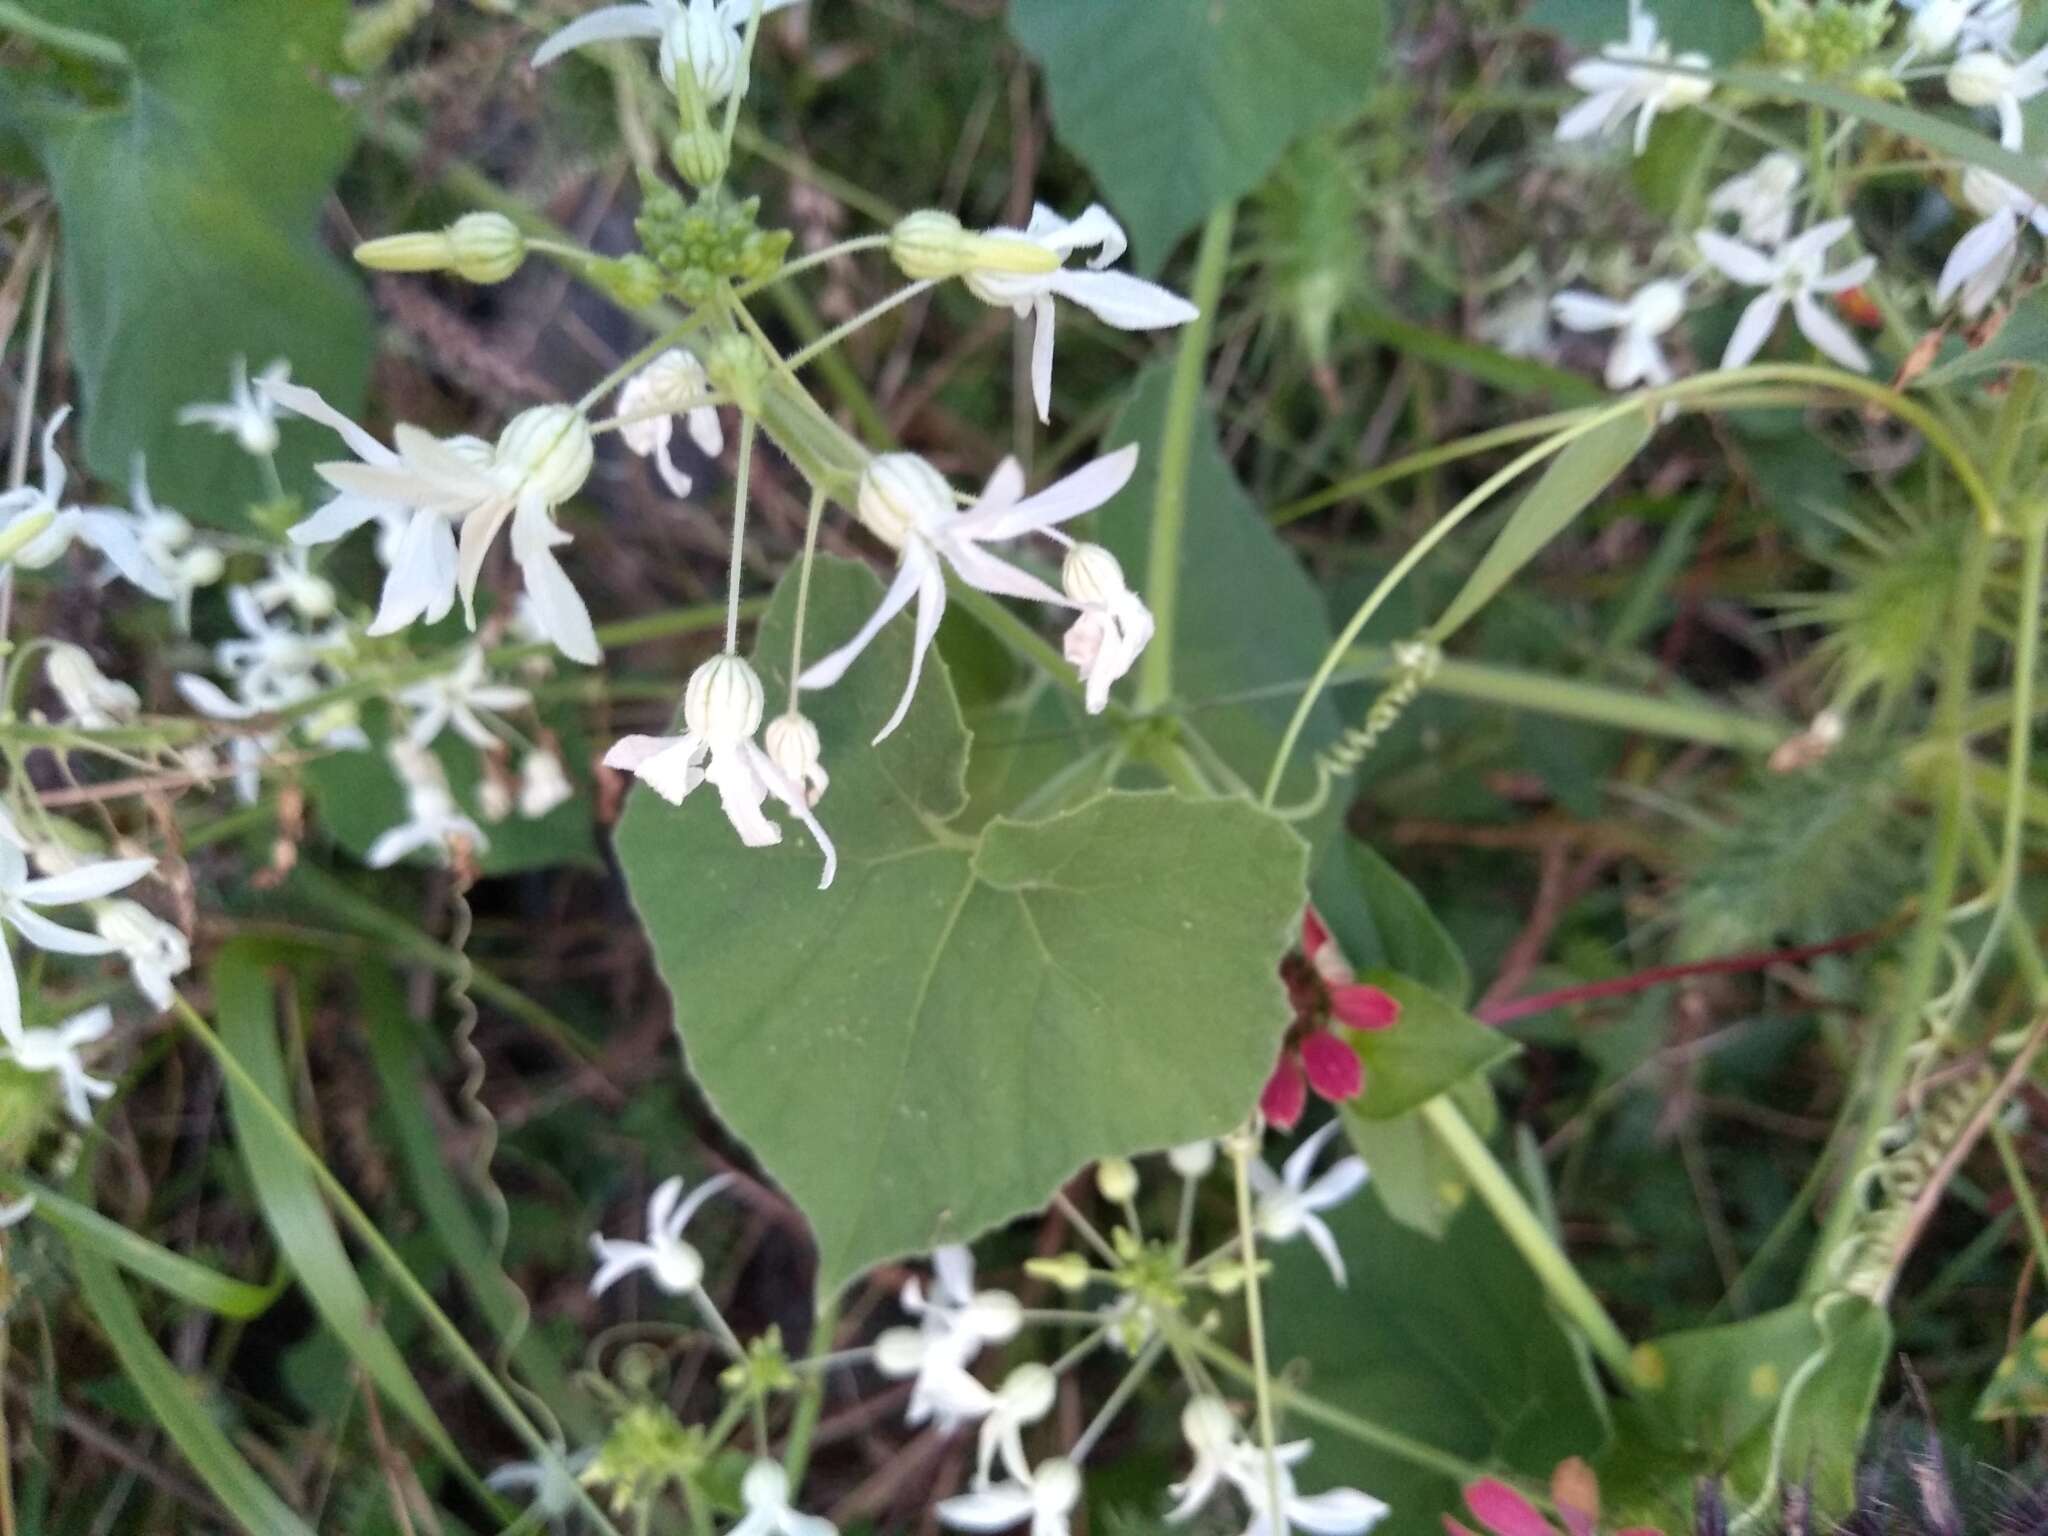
{"x":74,"y":41}
{"x":803,"y":593}
{"x":2022,"y":1191}
{"x":859,"y":322}
{"x":1176,"y":450}
{"x":739,"y":534}
{"x":810,"y":1402}
{"x":1239,"y":1147}
{"x":1571,"y":1294}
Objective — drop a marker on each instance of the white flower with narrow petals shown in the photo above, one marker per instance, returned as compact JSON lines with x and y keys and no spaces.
{"x":1638,"y":321}
{"x":1114,"y":628}
{"x":673,"y":386}
{"x":22,"y":898}
{"x":453,"y":698}
{"x":765,"y":1493}
{"x":37,"y":516}
{"x":1977,"y":269}
{"x":60,"y":1050}
{"x":1115,"y":298}
{"x":1994,"y":83}
{"x":1045,"y":1501}
{"x":1794,"y":274}
{"x":550,"y":1484}
{"x":793,"y":745}
{"x":543,"y":784}
{"x":92,"y":700}
{"x":1762,"y":200}
{"x":955,"y":1322}
{"x":722,"y":706}
{"x":434,"y":823}
{"x":271,"y":665}
{"x":1631,"y":78}
{"x":909,"y":505}
{"x":671,"y":1263}
{"x":705,"y":34}
{"x":292,"y":580}
{"x":1025,"y":1397}
{"x":1939,"y":25}
{"x":542,"y":458}
{"x":170,"y":546}
{"x":1212,"y":1434}
{"x":249,"y":750}
{"x":1290,"y":1204}
{"x":249,"y":414}
{"x":1267,"y":1486}
{"x":156,"y":951}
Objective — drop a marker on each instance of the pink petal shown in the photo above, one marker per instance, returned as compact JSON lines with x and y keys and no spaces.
{"x":1285,"y":1095}
{"x":1503,"y":1511}
{"x":1313,"y":934}
{"x":1362,"y":1007}
{"x":1334,"y":1070}
{"x":1575,"y":1490}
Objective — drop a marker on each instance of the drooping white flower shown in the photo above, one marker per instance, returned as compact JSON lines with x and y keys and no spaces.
{"x":22,"y":898}
{"x":452,"y":698}
{"x":1045,"y":1500}
{"x":543,"y":458}
{"x":1630,"y":78}
{"x":1794,"y":274}
{"x":1266,"y":1484}
{"x":248,"y":751}
{"x":955,"y":1322}
{"x":421,"y":489}
{"x":59,"y":1049}
{"x":793,"y":746}
{"x":1939,"y":25}
{"x":673,"y":385}
{"x":1115,"y":626}
{"x":434,"y":822}
{"x":249,"y":414}
{"x":1025,"y":1397}
{"x":1988,"y":80}
{"x":1983,"y":259}
{"x":292,"y":580}
{"x":1519,"y":325}
{"x":1762,"y":200}
{"x":271,"y":665}
{"x":671,"y":1263}
{"x":909,"y":505}
{"x":57,"y":527}
{"x":1289,"y":1205}
{"x":765,"y":1493}
{"x":722,"y":706}
{"x":171,"y":547}
{"x":156,"y":951}
{"x":91,"y":699}
{"x":1211,"y":1431}
{"x":1640,"y":321}
{"x":705,"y":34}
{"x":550,"y":1484}
{"x":1115,"y":298}
{"x":14,"y":1213}
{"x":543,"y":784}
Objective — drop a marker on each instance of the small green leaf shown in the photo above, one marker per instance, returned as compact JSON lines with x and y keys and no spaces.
{"x":2018,"y":1388}
{"x":1180,"y":106}
{"x":932,"y":1045}
{"x":1432,"y":1048}
{"x":176,"y":1405}
{"x":1579,"y":473}
{"x":190,"y":230}
{"x":89,"y":1232}
{"x":244,"y":986}
{"x":1448,"y":1341}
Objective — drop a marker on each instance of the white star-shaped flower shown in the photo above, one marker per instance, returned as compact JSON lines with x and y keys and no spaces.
{"x":1630,"y":78}
{"x":1793,"y":274}
{"x":434,"y":822}
{"x":1989,"y":80}
{"x":169,"y":544}
{"x":453,"y":699}
{"x":1211,"y":1432}
{"x":550,"y":1484}
{"x":249,"y":414}
{"x":704,"y":33}
{"x":156,"y":951}
{"x":60,"y":1050}
{"x":1045,"y":1500}
{"x":92,"y":700}
{"x":1267,"y":1487}
{"x":293,"y":581}
{"x":1289,"y":1205}
{"x":1763,"y":199}
{"x":671,"y":1263}
{"x":765,"y":1493}
{"x":1983,"y":259}
{"x":23,"y":898}
{"x":111,"y":533}
{"x":673,"y":386}
{"x":1639,"y":321}
{"x":909,"y":505}
{"x":1939,"y":25}
{"x":722,"y":706}
{"x":1115,"y":298}
{"x":955,"y":1322}
{"x":272,"y":664}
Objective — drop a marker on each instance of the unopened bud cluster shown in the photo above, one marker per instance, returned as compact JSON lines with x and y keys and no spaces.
{"x":699,"y":245}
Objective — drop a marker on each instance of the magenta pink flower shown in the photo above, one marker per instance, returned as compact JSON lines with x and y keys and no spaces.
{"x":1328,"y":1000}
{"x":1574,"y":1491}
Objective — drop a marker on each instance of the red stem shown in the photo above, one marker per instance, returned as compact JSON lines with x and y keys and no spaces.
{"x":1642,"y":981}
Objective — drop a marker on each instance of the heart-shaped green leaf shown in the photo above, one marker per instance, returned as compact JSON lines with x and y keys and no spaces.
{"x":932,"y":1045}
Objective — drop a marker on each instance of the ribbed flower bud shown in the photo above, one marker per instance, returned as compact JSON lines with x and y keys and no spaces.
{"x":723,"y":701}
{"x":932,"y":245}
{"x":698,"y":155}
{"x":703,"y":42}
{"x":900,"y":493}
{"x":1116,"y":1179}
{"x":24,"y":531}
{"x":478,"y":247}
{"x":793,"y":746}
{"x":735,"y":364}
{"x":1979,"y":79}
{"x":548,"y":447}
{"x":1092,"y":576}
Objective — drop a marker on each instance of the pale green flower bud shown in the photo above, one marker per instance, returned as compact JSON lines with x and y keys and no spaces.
{"x":1092,"y":576}
{"x":699,"y":156}
{"x":478,"y":247}
{"x":735,"y":365}
{"x":901,"y":493}
{"x":1979,"y":79}
{"x":1116,"y":1179}
{"x":1193,"y":1160}
{"x":793,"y":746}
{"x":723,"y":701}
{"x":932,"y":245}
{"x":550,"y":448}
{"x":1067,"y":1271}
{"x":24,"y":531}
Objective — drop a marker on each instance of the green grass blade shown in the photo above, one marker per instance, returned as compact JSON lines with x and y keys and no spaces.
{"x":89,"y":1232}
{"x":244,"y":985}
{"x":179,"y":1410}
